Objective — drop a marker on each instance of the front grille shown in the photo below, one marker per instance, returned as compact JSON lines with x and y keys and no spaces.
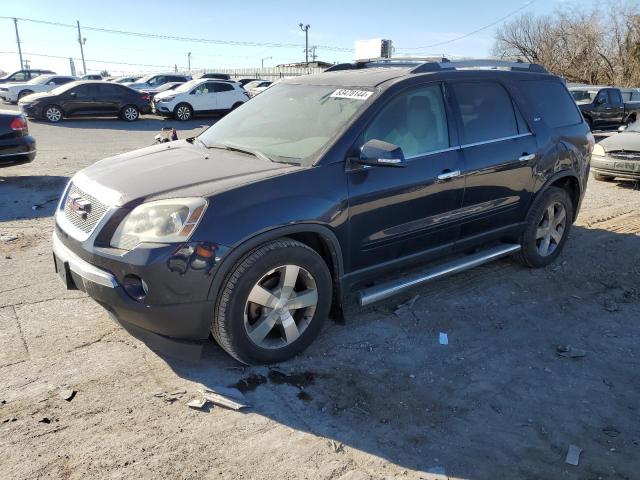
{"x":82,"y":210}
{"x":625,"y":155}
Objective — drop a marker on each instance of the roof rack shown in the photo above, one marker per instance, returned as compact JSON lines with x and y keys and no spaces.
{"x":437,"y":64}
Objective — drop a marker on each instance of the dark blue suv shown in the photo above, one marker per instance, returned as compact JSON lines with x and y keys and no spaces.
{"x":322,"y":185}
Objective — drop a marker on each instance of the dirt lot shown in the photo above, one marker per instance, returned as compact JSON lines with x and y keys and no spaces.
{"x":376,"y":398}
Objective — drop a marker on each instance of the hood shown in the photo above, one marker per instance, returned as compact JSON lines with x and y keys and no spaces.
{"x":137,"y":85}
{"x":629,"y":141}
{"x":34,"y":96}
{"x":171,"y":170}
{"x":165,"y":94}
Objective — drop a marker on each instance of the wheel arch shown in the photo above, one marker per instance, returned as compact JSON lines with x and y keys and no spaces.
{"x":318,"y":237}
{"x":568,"y":181}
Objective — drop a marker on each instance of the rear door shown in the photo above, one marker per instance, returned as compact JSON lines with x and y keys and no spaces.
{"x":109,"y":99}
{"x":225,"y":95}
{"x":615,"y":107}
{"x":499,"y":152}
{"x":398,"y":214}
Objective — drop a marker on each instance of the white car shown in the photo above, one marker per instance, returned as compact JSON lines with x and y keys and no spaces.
{"x":199,"y":97}
{"x":256,"y":87}
{"x":162,"y":88}
{"x":43,"y":83}
{"x":157,"y":79}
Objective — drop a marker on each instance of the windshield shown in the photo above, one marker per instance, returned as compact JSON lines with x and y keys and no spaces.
{"x":63,"y":88}
{"x":145,"y":79}
{"x":254,"y":83}
{"x":584,"y":96}
{"x":41,"y":80}
{"x":288,"y":122}
{"x":185,"y":87}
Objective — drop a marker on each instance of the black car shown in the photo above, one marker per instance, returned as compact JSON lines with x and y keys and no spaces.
{"x":16,"y":145}
{"x":23,"y":76}
{"x":325,"y":184}
{"x":618,"y":156}
{"x":244,"y":81}
{"x":604,"y":107}
{"x":218,"y":76}
{"x":88,"y":98}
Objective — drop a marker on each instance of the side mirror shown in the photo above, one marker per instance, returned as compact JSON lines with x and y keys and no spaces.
{"x":622,"y":128}
{"x":600,"y":101}
{"x":377,"y":153}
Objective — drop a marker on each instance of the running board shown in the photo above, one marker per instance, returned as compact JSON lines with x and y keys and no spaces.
{"x":387,"y":289}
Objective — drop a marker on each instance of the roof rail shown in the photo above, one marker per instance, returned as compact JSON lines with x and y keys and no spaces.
{"x":386,"y":62}
{"x":480,"y":64}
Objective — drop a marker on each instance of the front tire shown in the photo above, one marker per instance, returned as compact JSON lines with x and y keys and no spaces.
{"x":130,"y":113}
{"x":549,"y":221}
{"x":183,"y":112}
{"x":52,"y":113}
{"x":273,"y":303}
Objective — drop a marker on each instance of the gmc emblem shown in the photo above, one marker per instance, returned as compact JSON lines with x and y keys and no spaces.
{"x":78,"y":205}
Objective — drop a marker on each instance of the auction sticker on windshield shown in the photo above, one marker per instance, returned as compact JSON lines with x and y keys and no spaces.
{"x":354,"y":94}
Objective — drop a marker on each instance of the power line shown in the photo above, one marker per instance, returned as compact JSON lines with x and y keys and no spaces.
{"x":90,"y":60}
{"x":466,"y":35}
{"x":178,"y":38}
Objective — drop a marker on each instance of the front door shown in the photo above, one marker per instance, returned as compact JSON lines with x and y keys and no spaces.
{"x":81,"y":100}
{"x":203,"y":98}
{"x":499,"y":152}
{"x":400,"y":214}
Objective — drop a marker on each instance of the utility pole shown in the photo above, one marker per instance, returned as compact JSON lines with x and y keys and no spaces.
{"x":189,"y":61}
{"x":15,"y":22}
{"x":314,"y":56}
{"x":82,"y":41}
{"x":263,"y":59}
{"x":305,"y":29}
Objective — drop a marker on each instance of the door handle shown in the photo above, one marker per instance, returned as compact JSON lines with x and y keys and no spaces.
{"x":527,"y":157}
{"x":446,"y":175}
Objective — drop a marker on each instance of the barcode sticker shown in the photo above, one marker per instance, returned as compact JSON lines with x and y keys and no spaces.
{"x":353,"y":94}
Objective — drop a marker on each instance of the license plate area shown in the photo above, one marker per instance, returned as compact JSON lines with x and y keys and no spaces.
{"x":64,"y":273}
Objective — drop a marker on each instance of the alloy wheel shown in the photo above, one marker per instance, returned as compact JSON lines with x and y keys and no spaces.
{"x":130,"y":113}
{"x":280,"y":306}
{"x":551,"y":229}
{"x":53,"y":114}
{"x":183,"y":112}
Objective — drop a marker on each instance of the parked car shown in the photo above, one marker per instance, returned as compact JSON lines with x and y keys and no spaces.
{"x":197,"y":97}
{"x":16,"y":145}
{"x":154,"y":81}
{"x":630,"y":94}
{"x":24,"y":75}
{"x":618,"y":156}
{"x":319,"y":186}
{"x":604,"y":107}
{"x":127,"y":79}
{"x":89,"y":98}
{"x":12,"y":92}
{"x":218,"y":76}
{"x":244,"y":81}
{"x":256,"y":87}
{"x":91,"y":76}
{"x":162,"y":88}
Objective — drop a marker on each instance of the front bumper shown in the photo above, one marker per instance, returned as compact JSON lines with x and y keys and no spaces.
{"x":33,"y":110}
{"x":20,"y":149}
{"x":616,"y":167}
{"x":161,"y":108}
{"x":187,"y":319}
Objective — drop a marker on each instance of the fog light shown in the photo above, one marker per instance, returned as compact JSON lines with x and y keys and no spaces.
{"x":135,"y":287}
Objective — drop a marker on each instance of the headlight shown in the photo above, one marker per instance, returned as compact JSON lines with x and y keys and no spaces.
{"x":162,"y":221}
{"x":598,"y":150}
{"x":166,"y":99}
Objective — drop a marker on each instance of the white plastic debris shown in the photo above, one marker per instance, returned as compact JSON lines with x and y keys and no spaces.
{"x":225,"y":397}
{"x":197,"y":403}
{"x":7,"y":238}
{"x":444,"y":339}
{"x":573,"y":455}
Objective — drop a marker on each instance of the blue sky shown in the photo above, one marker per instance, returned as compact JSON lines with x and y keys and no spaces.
{"x":410,"y":23}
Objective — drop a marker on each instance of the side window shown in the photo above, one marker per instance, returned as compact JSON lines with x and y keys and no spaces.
{"x":19,"y":76}
{"x":416,"y":121}
{"x":202,"y":89}
{"x":614,"y":96}
{"x":159,"y":80}
{"x":62,"y":80}
{"x":626,"y":96}
{"x":222,"y":87}
{"x":635,"y":96}
{"x":107,"y":90}
{"x":486,"y":110}
{"x":551,"y":101}
{"x":86,"y":91}
{"x":601,"y":97}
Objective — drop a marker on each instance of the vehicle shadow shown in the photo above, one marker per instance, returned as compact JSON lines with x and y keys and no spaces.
{"x":29,"y":196}
{"x":498,"y":401}
{"x":147,"y":123}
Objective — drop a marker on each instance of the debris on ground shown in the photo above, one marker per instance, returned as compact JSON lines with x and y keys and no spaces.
{"x":407,"y":306}
{"x":569,"y":352}
{"x":337,"y":446}
{"x":10,"y":419}
{"x":68,"y":394}
{"x":197,"y":403}
{"x":444,"y":338}
{"x":170,"y":397}
{"x":226,"y":397}
{"x":573,"y":455}
{"x":44,"y":420}
{"x":5,"y":237}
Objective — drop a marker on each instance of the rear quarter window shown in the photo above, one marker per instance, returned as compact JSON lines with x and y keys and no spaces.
{"x":552,"y":102}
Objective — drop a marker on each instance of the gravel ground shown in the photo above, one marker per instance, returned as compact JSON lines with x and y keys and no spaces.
{"x":375,"y":398}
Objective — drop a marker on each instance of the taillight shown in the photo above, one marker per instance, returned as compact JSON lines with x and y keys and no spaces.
{"x":146,"y":97}
{"x":19,"y":124}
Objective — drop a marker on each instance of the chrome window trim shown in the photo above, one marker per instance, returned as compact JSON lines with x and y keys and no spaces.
{"x":468,"y":145}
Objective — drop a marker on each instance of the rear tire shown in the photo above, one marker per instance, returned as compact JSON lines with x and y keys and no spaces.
{"x":273,"y":303}
{"x":602,"y":178}
{"x":549,"y":221}
{"x":130,"y":113}
{"x":183,"y":112}
{"x":52,"y":113}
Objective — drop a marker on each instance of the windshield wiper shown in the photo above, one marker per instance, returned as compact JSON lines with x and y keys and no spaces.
{"x":249,"y":151}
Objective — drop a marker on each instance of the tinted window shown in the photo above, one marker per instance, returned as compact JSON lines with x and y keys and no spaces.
{"x":416,"y":121}
{"x":84,"y":91}
{"x":62,"y":80}
{"x":158,"y":80}
{"x":222,"y":87}
{"x":614,"y":96}
{"x":486,"y":110}
{"x":176,"y":79}
{"x":109,"y":90}
{"x":550,"y":100}
{"x":601,"y":97}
